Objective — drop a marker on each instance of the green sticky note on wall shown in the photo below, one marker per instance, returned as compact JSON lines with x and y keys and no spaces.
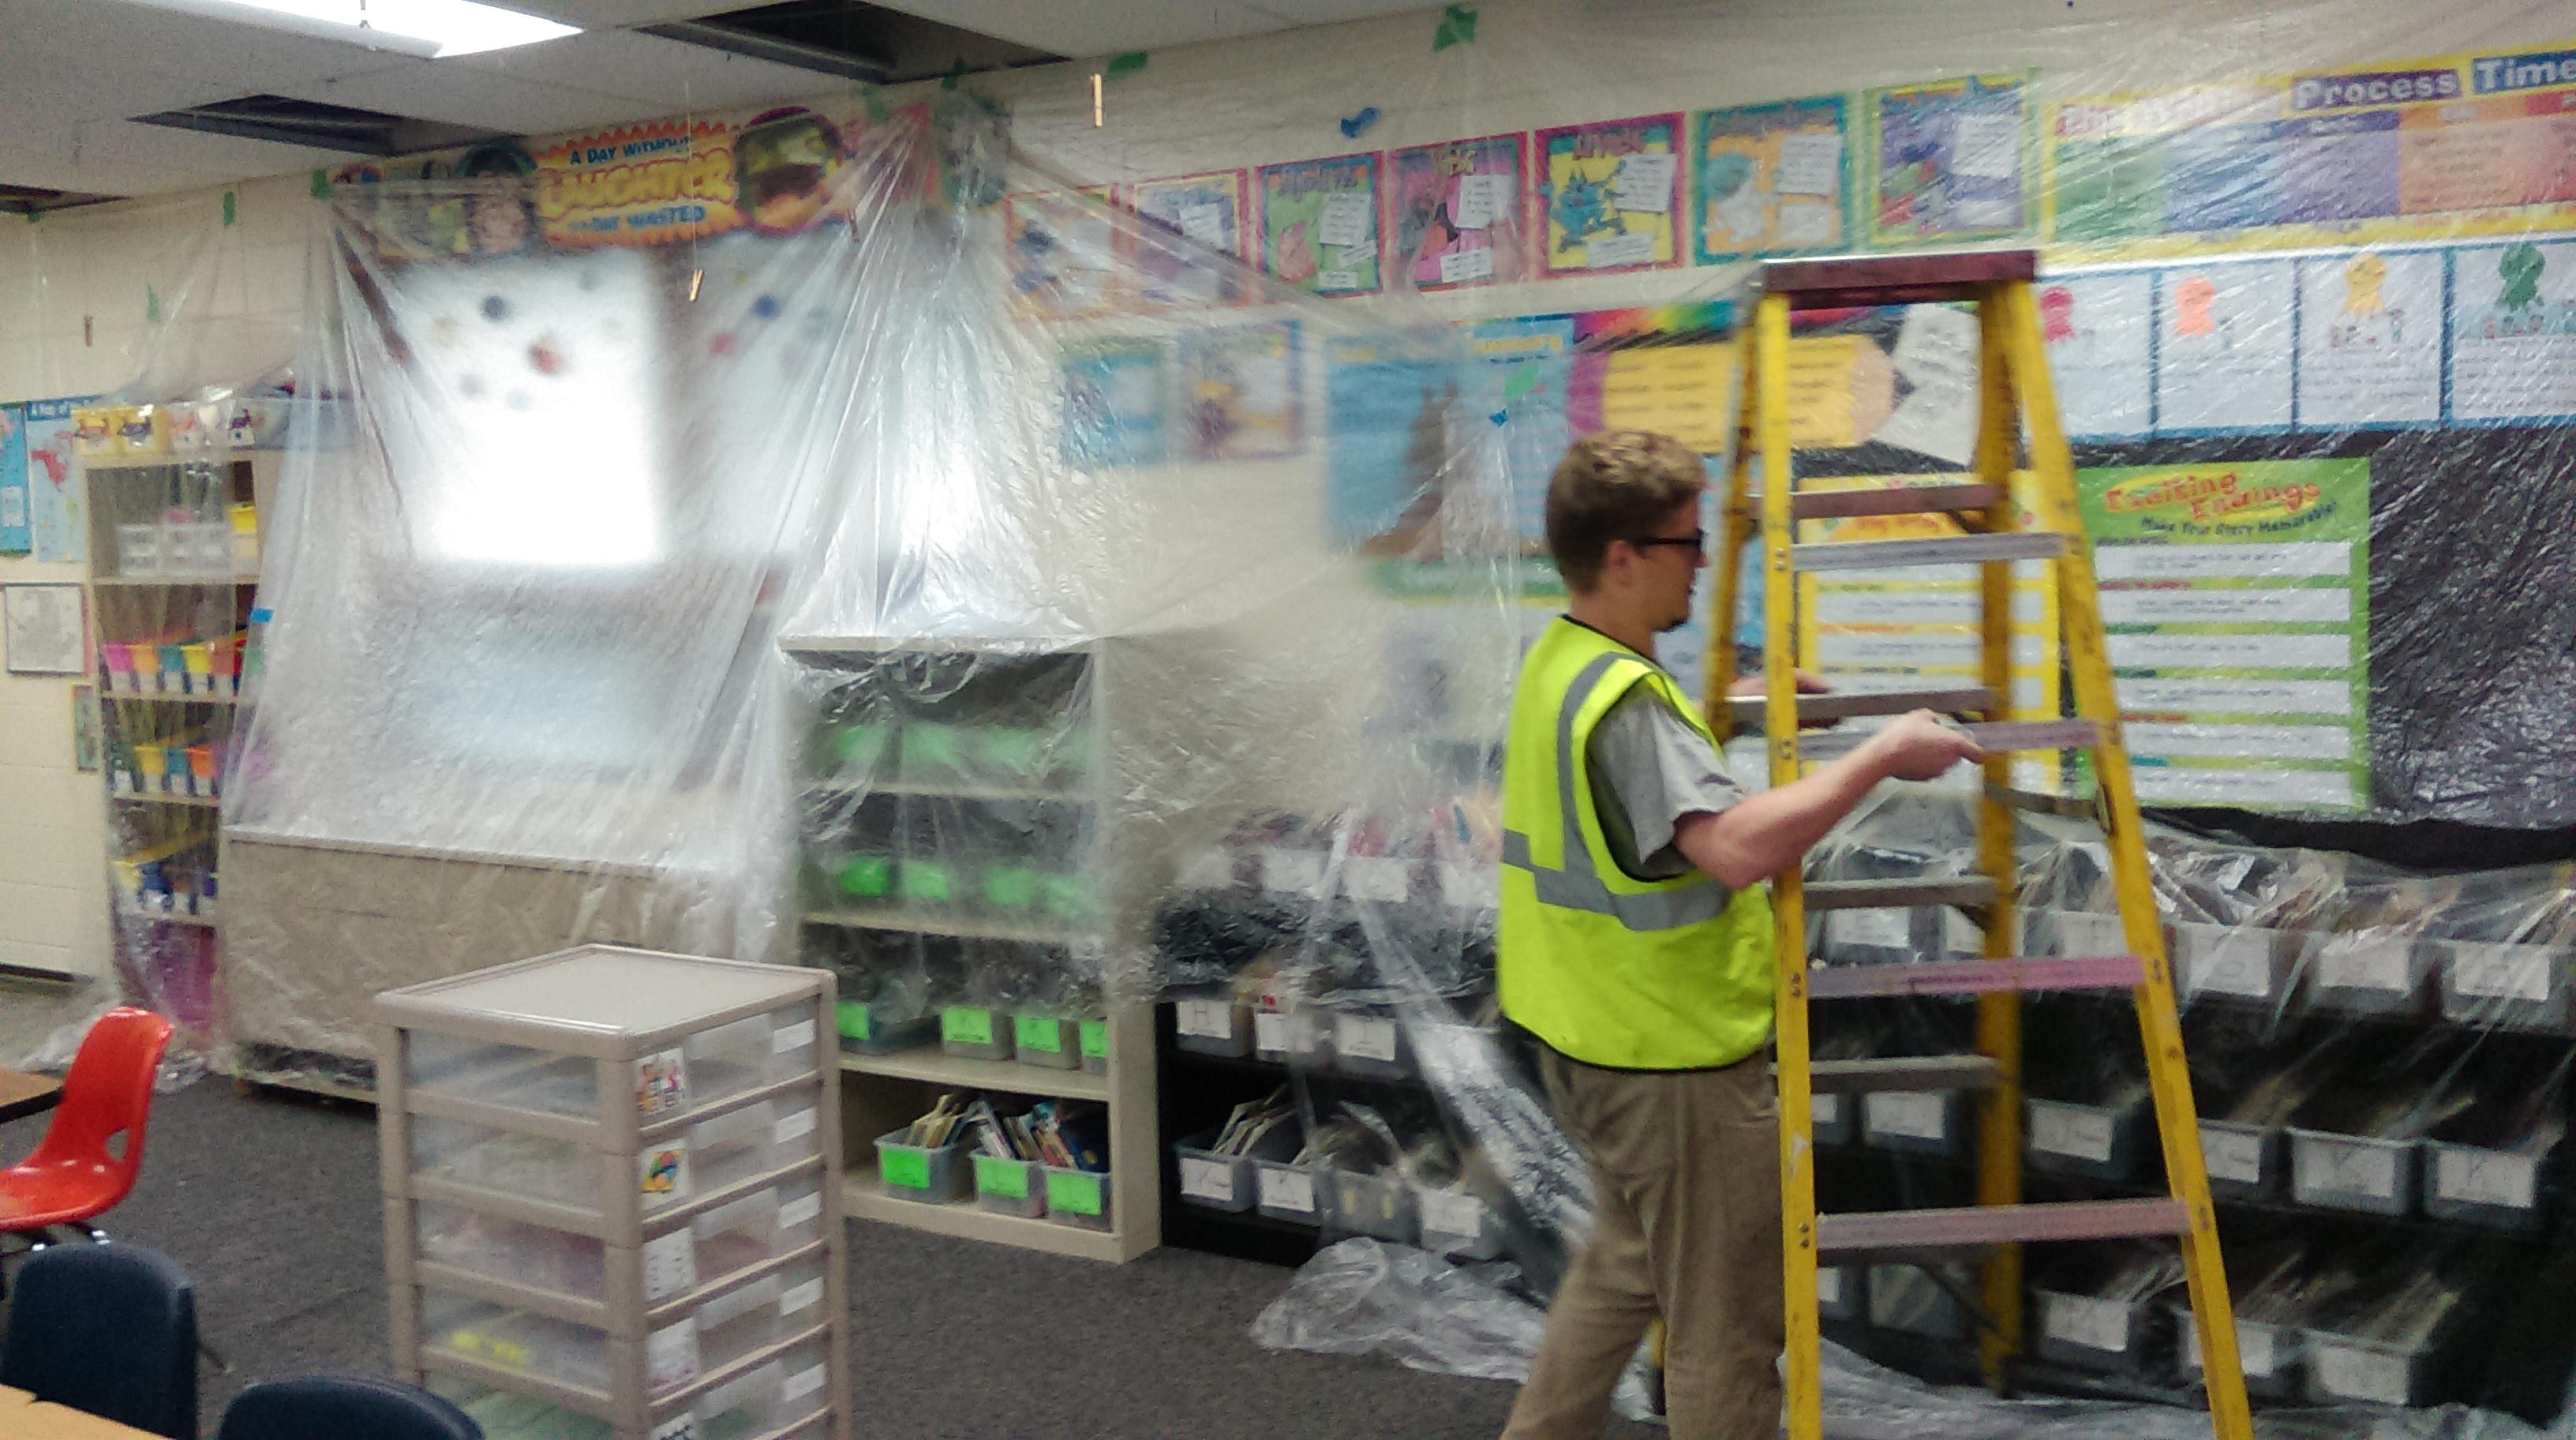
{"x":1095,"y":1039}
{"x":1041,"y":1034}
{"x":1006,"y":1178}
{"x":904,"y":1169}
{"x":1074,"y":1192}
{"x":966,"y":1025}
{"x":854,"y":1020}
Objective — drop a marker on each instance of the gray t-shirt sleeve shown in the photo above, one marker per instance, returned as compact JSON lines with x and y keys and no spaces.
{"x":1649,"y":769}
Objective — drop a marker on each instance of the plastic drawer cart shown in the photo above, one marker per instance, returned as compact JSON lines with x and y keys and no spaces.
{"x":612,"y":1191}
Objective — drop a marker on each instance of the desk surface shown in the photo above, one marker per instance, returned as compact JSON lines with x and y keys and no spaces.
{"x":22,"y":1094}
{"x":46,"y":1421}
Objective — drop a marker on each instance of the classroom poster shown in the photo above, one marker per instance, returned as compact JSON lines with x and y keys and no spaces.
{"x":1319,"y":224}
{"x":1063,"y":259}
{"x":1455,"y":215}
{"x":2225,"y":346}
{"x":2237,"y":601}
{"x":1950,"y":160}
{"x":57,"y":510}
{"x":16,"y":536}
{"x":1116,"y":399}
{"x":1770,"y":180}
{"x":2513,"y":331}
{"x":1611,"y":195}
{"x":2101,"y":352}
{"x":1206,"y":210}
{"x":1240,"y":388}
{"x":2370,"y":350}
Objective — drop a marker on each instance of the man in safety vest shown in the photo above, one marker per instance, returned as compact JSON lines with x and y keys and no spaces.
{"x":1636,"y":947}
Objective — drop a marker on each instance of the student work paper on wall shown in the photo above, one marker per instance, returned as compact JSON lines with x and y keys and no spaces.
{"x":2237,"y":601}
{"x":2513,"y":331}
{"x":1770,"y":179}
{"x":1948,"y":160}
{"x":1455,"y":217}
{"x":2224,"y":346}
{"x":1319,"y":224}
{"x":2370,"y":347}
{"x":2097,"y":329}
{"x":1610,"y":192}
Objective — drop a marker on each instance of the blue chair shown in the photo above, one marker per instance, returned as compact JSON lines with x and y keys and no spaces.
{"x":343,"y":1407}
{"x":110,"y":1329}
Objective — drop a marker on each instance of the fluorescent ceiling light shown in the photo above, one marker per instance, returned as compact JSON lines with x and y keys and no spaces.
{"x":425,"y":28}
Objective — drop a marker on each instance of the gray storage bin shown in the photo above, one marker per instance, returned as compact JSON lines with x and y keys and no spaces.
{"x":1842,"y":1292}
{"x":1047,"y":1042}
{"x":2367,"y":972}
{"x":1211,"y":1181}
{"x":1092,"y":1038}
{"x":864,"y":1032}
{"x":1079,"y":1198}
{"x":1904,"y":1299}
{"x":934,"y":1176}
{"x":1914,"y":1122}
{"x":2244,"y":963}
{"x":2348,"y":1368}
{"x":2269,"y":1355}
{"x":1294,"y":1193}
{"x":2511,"y":987}
{"x":2090,"y":1332}
{"x":1376,"y":1204}
{"x":1010,"y":1187}
{"x":975,"y":1032}
{"x":2501,"y":1188}
{"x":2244,"y":1161}
{"x":1456,"y":1222}
{"x":1370,"y":1044}
{"x":2353,"y":1172}
{"x":1836,"y":1118}
{"x":2099,"y":1142}
{"x":1288,"y":1030}
{"x":1212,"y":1025}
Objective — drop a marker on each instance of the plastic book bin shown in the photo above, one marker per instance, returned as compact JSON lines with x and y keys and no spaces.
{"x":1294,"y":1193}
{"x":2269,"y":1355}
{"x":1232,"y":1183}
{"x":1380,"y":1205}
{"x":1046,"y":1042}
{"x":1079,"y":1198}
{"x":864,"y":1030}
{"x":975,"y":1032}
{"x":1212,"y":1025}
{"x":1456,"y":1222}
{"x":931,"y":1175}
{"x":1092,"y":1038}
{"x":1010,"y":1187}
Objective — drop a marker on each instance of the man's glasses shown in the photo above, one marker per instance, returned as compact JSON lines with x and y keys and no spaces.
{"x":1697,"y":541}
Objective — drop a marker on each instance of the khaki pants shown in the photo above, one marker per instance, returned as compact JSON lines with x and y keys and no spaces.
{"x":1686,"y":1173}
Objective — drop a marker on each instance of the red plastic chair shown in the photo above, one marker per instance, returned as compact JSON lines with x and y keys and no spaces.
{"x":73,"y":1174}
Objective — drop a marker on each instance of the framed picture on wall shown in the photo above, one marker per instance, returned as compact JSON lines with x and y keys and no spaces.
{"x":85,"y":729}
{"x":41,"y":626}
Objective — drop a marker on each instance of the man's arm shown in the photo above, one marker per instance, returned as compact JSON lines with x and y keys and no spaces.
{"x":1762,"y":835}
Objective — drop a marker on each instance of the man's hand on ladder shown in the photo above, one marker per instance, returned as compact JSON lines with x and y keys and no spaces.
{"x":1918,"y":746}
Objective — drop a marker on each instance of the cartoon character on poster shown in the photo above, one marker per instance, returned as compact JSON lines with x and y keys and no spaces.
{"x":1240,"y":388}
{"x":1319,"y":224}
{"x":1457,"y":214}
{"x":1060,"y":259}
{"x":1610,"y":192}
{"x":1951,"y":159}
{"x":1770,"y":179}
{"x":500,"y":218}
{"x":784,"y":162}
{"x":1206,"y":211}
{"x":2367,"y":320}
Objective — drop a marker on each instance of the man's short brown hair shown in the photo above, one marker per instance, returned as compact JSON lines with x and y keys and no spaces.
{"x":1614,"y":485}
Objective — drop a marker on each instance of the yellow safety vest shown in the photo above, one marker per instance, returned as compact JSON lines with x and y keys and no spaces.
{"x":1608,"y":969}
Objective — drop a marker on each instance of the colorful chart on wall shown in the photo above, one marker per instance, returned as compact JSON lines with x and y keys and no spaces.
{"x":2225,"y":347}
{"x":1240,"y":389}
{"x":2099,"y":332}
{"x":2237,"y":599}
{"x":2513,"y":331}
{"x":1063,"y":256}
{"x":57,"y":509}
{"x":1116,"y":403}
{"x":16,"y":536}
{"x":2370,"y":341}
{"x":1206,"y":210}
{"x":1319,"y":224}
{"x":1611,"y":195}
{"x":1455,"y":214}
{"x":1950,"y":160}
{"x":1770,"y":180}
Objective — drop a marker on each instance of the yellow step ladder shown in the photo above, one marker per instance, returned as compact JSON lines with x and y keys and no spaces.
{"x":2016,"y":401}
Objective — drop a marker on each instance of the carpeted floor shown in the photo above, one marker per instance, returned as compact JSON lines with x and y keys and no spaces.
{"x":272,"y":1205}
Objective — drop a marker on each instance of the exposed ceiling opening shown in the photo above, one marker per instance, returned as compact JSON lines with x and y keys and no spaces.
{"x":36,"y":200}
{"x":283,"y":120}
{"x":852,"y":39}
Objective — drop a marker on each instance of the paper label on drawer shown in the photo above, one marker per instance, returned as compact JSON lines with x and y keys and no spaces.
{"x":2356,"y":1374}
{"x":1269,"y":1032}
{"x":2364,"y":962}
{"x":670,"y":1264}
{"x":671,"y":1355}
{"x":2503,"y":972}
{"x":1363,"y":1038}
{"x":2078,"y":1131}
{"x":662,"y":1173}
{"x":1885,"y":929}
{"x":1377,"y":878}
{"x":1207,"y":1179}
{"x":1911,"y":1114}
{"x":2227,"y":962}
{"x":661,"y":1082}
{"x":1298,"y":872}
{"x":1206,"y":870}
{"x":2355,"y":1169}
{"x":789,"y":1038}
{"x":683,"y":1426}
{"x":801,"y":1297}
{"x":806,"y":1382}
{"x":792,"y":1127}
{"x":804,"y":1210}
{"x":1075,"y":1194}
{"x":1829,"y":1286}
{"x":2084,"y":1320}
{"x":1825,"y":1109}
{"x":1210,"y":1019}
{"x":2486,"y":1177}
{"x":2081,"y":932}
{"x":2232,"y":1155}
{"x":1452,"y":1214}
{"x":1292,"y":1190}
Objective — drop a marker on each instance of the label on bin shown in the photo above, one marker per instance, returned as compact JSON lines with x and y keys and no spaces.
{"x":2354,"y":1169}
{"x":787,"y":1038}
{"x":854,"y":1020}
{"x":801,"y":1297}
{"x":1467,"y":887}
{"x":1911,"y":1114}
{"x":2502,"y":972}
{"x":806,"y":1210}
{"x":806,"y":1382}
{"x":1824,"y":1109}
{"x":1359,"y":1037}
{"x":1297,"y":872}
{"x":904,"y":1169}
{"x":2086,"y":1321}
{"x":1884,"y":929}
{"x":1041,"y":1034}
{"x":2078,"y":1131}
{"x":1829,"y":1286}
{"x":2486,"y":1177}
{"x":670,"y":1264}
{"x":2227,"y":962}
{"x":1270,"y":1032}
{"x":2364,"y":962}
{"x":1207,"y":1179}
{"x":1006,"y":1178}
{"x":1451,"y":1213}
{"x":1095,"y":1039}
{"x":2081,"y":932}
{"x":661,"y":1082}
{"x":1074,"y":1193}
{"x":1292,"y":1190}
{"x":2232,"y":1155}
{"x":792,"y":1127}
{"x":1377,"y":878}
{"x":1209,"y":869}
{"x":683,"y":1426}
{"x":671,"y":1355}
{"x":966,"y":1025}
{"x":2351,"y":1373}
{"x":1208,"y":1019}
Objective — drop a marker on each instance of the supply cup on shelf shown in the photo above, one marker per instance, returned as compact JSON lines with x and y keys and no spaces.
{"x":1010,"y":1187}
{"x":929,"y":1174}
{"x":197,"y":668}
{"x":225,"y":664}
{"x":119,"y":659}
{"x":174,"y":669}
{"x":974,"y":1032}
{"x":1046,"y":1041}
{"x":1079,"y":1198}
{"x":241,"y":532}
{"x":203,"y":776}
{"x":152,"y":768}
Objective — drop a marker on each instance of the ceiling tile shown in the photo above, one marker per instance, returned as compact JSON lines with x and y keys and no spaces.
{"x":1098,"y":27}
{"x":120,"y":157}
{"x":605,"y":14}
{"x":676,"y":76}
{"x":437,"y":90}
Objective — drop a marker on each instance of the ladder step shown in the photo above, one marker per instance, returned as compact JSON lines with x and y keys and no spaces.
{"x":1930,"y":1234}
{"x":2042,"y":802}
{"x":1992,"y":736}
{"x":1902,"y":893}
{"x":1837,"y":284}
{"x":1936,"y":550}
{"x":1894,"y":500}
{"x":1903,"y":1072}
{"x":1750,"y":712}
{"x":1977,"y":977}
